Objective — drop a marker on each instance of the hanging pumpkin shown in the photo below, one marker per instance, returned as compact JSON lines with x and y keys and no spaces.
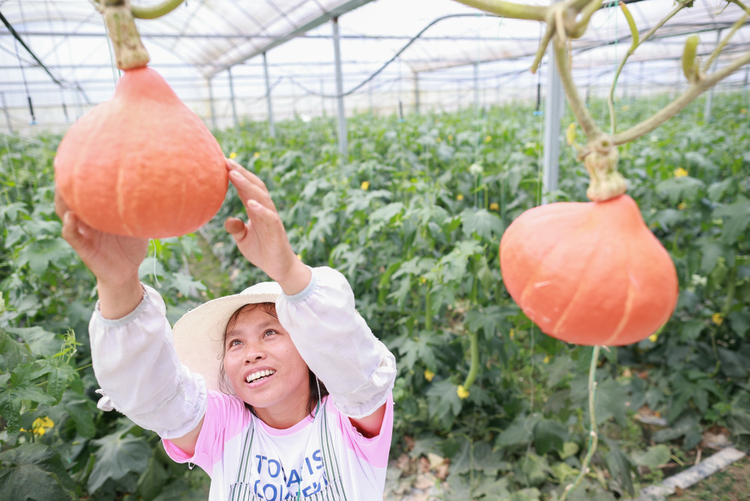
{"x":589,"y":273}
{"x":142,"y":164}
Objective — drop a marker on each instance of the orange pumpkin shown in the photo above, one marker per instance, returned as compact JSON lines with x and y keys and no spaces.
{"x":589,"y":273}
{"x":142,"y":164}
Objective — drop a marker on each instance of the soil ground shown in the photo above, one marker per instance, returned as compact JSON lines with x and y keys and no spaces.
{"x":730,"y":484}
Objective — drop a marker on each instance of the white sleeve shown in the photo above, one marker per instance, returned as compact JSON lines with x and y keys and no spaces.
{"x":137,"y":367}
{"x":337,"y":344}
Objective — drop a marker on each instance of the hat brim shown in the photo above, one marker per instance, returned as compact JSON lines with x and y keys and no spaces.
{"x":199,"y":334}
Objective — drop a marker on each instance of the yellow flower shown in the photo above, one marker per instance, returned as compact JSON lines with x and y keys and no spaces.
{"x":365,"y":185}
{"x":232,"y":155}
{"x":512,"y":333}
{"x":422,"y":280}
{"x":256,"y":154}
{"x":460,"y":197}
{"x":438,"y":140}
{"x":450,"y":137}
{"x":743,"y":110}
{"x":41,"y":425}
{"x":428,"y":375}
{"x":488,"y":139}
{"x":570,"y":133}
{"x":546,"y":359}
{"x":494,"y":206}
{"x":462,"y":392}
{"x":653,"y":337}
{"x":299,"y":256}
{"x":718,"y":318}
{"x":680,"y":172}
{"x":682,"y":206}
{"x":626,"y":107}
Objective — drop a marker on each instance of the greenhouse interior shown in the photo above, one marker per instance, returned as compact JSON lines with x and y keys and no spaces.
{"x":534,"y":216}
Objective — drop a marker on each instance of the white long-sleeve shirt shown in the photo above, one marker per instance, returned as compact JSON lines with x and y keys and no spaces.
{"x":135,"y":363}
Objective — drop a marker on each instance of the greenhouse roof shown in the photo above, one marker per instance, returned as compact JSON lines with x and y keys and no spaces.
{"x":201,"y":39}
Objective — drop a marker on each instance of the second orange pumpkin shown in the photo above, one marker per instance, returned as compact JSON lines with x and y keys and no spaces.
{"x":589,"y":273}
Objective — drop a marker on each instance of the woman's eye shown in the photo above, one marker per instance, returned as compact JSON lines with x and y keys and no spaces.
{"x":234,"y":342}
{"x":269,"y":332}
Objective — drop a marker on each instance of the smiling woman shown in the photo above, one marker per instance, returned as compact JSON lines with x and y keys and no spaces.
{"x":243,"y":314}
{"x":237,"y":386}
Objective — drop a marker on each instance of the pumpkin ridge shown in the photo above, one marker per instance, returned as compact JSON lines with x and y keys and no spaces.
{"x":573,"y":299}
{"x":629,"y":300}
{"x":82,"y":151}
{"x":119,"y":191}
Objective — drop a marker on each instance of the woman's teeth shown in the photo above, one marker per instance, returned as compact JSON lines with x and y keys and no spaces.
{"x":258,"y":375}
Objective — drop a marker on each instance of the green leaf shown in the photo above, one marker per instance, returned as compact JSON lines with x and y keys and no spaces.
{"x":151,"y":267}
{"x":39,"y":340}
{"x":653,"y":457}
{"x":563,"y":471}
{"x":180,"y":490}
{"x":558,"y":369}
{"x":445,"y":403}
{"x":82,"y":413}
{"x":534,"y":469}
{"x":611,"y":401}
{"x":117,"y":456}
{"x":681,"y":188}
{"x":185,"y":284}
{"x":569,"y":449}
{"x":151,"y":481}
{"x":33,"y":472}
{"x":528,"y":494}
{"x":13,"y":352}
{"x":740,"y":322}
{"x":620,"y":466}
{"x":690,"y":330}
{"x":481,"y":222}
{"x":548,"y":435}
{"x":58,"y":380}
{"x":688,"y":426}
{"x":487,"y":460}
{"x":519,"y":432}
{"x":41,"y":253}
{"x":736,"y":219}
{"x":492,"y":490}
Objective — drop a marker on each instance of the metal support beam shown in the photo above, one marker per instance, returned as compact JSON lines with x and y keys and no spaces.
{"x":7,"y":115}
{"x":343,"y":147}
{"x":211,"y":102}
{"x":553,"y":109}
{"x":476,"y":86}
{"x":416,"y":93}
{"x":231,"y":96}
{"x":323,"y":98}
{"x":710,"y":97}
{"x":271,"y":126}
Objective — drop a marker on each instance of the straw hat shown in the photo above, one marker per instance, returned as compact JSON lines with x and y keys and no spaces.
{"x":199,"y":334}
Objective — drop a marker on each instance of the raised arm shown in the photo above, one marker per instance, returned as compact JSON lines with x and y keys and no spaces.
{"x":318,"y":311}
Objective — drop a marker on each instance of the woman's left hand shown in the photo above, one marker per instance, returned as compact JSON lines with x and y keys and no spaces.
{"x":263,"y":240}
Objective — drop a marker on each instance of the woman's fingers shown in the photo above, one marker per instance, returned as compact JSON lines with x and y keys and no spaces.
{"x":232,"y":165}
{"x":249,"y":186}
{"x":236,"y":228}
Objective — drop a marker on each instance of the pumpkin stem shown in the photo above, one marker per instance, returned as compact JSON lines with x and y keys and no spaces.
{"x":129,"y":51}
{"x":593,"y":436}
{"x":600,"y":158}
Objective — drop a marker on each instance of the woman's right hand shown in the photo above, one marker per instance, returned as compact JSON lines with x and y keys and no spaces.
{"x":113,"y":259}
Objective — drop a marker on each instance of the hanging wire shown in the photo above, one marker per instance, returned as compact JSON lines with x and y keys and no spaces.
{"x":59,"y":82}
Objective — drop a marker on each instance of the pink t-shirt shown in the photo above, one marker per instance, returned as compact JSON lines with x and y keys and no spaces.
{"x":321,"y":457}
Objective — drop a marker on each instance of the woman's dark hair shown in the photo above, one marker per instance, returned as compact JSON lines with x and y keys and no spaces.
{"x":225,"y":386}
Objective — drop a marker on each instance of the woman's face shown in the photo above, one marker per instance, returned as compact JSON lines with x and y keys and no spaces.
{"x":265,"y":368}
